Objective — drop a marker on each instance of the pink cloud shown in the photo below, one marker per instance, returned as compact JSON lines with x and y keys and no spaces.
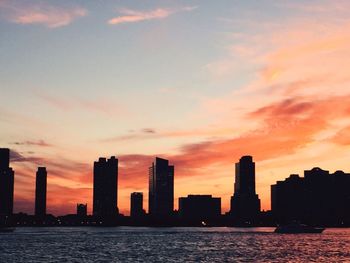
{"x":100,"y":105}
{"x":40,"y":13}
{"x":132,"y":16}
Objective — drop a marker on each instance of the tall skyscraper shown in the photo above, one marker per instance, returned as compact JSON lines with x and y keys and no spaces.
{"x":136,"y":204}
{"x":4,"y":158}
{"x":6,"y":183}
{"x":245,"y":203}
{"x":40,"y":191}
{"x":161,"y":188}
{"x":105,"y":187}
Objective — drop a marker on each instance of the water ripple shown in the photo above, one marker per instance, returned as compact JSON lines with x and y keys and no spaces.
{"x":125,"y":244}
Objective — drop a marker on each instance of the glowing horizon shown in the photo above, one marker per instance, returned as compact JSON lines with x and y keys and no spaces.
{"x":198,"y":83}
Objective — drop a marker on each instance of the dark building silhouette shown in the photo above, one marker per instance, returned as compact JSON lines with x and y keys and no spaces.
{"x":199,"y":207}
{"x":136,"y":204}
{"x":245,"y":203}
{"x":4,"y":158}
{"x":318,"y":198}
{"x":105,"y":187}
{"x":288,"y":197}
{"x":161,"y":188}
{"x":82,"y":210}
{"x":40,"y":191}
{"x":6,"y":183}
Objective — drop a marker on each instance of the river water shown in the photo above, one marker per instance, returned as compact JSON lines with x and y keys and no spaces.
{"x":128,"y":244}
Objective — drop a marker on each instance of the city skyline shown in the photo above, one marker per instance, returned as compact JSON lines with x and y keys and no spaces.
{"x":196,"y":82}
{"x":319,"y":198}
{"x":248,"y":186}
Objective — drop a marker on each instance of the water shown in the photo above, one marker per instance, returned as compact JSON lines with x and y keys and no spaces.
{"x":127,"y":244}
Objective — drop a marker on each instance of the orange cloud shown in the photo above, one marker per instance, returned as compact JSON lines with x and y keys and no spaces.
{"x":40,"y":13}
{"x":342,"y":137}
{"x":132,"y":16}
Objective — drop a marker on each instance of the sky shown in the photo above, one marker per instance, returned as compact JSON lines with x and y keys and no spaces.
{"x":200,"y":83}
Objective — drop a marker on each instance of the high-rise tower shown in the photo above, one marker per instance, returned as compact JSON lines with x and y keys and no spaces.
{"x":161,"y":188}
{"x":105,"y":187}
{"x":6,"y":183}
{"x":4,"y":158}
{"x":245,"y":203}
{"x":40,"y":192}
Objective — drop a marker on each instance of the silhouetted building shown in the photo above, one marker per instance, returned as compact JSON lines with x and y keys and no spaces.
{"x":82,"y":210}
{"x":161,"y":188}
{"x":136,"y":204}
{"x":6,"y":183}
{"x":105,"y":187}
{"x":4,"y":158}
{"x":318,"y":198}
{"x":40,"y":191}
{"x":288,"y":198}
{"x":199,"y":207}
{"x":245,"y":203}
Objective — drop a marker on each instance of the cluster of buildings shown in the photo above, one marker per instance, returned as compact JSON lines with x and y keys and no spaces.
{"x":318,"y":198}
{"x":245,"y":203}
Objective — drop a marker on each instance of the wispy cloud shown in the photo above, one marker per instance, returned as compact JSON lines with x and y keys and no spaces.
{"x":149,"y":133}
{"x":27,"y":13}
{"x":324,"y":6}
{"x":104,"y":106}
{"x":54,"y":100}
{"x":41,"y":143}
{"x":149,"y":130}
{"x":132,"y":16}
{"x":19,"y":157}
{"x":146,"y":133}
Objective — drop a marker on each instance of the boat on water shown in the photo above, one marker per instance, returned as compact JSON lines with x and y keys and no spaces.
{"x":298,"y":229}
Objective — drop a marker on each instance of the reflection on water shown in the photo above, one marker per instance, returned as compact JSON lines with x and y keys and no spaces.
{"x":126,"y":244}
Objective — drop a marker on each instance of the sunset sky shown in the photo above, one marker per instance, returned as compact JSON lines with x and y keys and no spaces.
{"x":200,"y":83}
